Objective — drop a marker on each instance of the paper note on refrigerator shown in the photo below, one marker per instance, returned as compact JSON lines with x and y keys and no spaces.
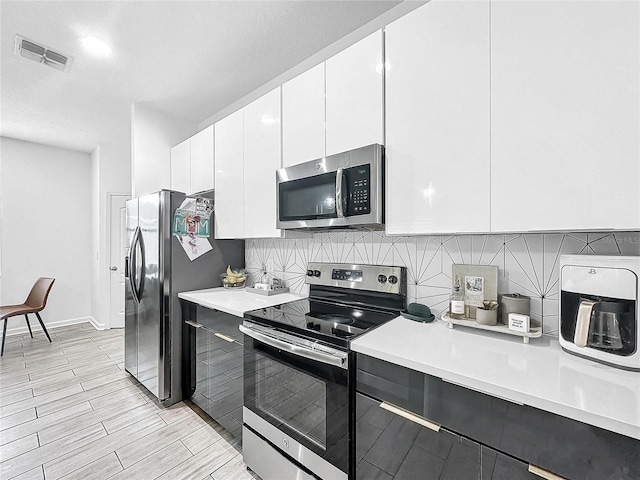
{"x":194,"y":246}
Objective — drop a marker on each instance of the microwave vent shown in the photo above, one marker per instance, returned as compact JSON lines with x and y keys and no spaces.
{"x":42,"y":54}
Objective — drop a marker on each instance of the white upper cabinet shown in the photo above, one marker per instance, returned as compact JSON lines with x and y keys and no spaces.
{"x":181,"y":167}
{"x":229,"y":179}
{"x":192,"y":163}
{"x":202,"y":170}
{"x":437,"y":119}
{"x":303,"y":117}
{"x":565,"y":115}
{"x":262,"y":157}
{"x":355,"y":95}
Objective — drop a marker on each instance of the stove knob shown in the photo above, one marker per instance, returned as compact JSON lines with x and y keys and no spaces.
{"x":393,"y":279}
{"x":309,"y":273}
{"x":316,"y":273}
{"x":382,"y":278}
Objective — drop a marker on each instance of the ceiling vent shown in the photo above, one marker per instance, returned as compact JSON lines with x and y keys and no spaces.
{"x":42,"y":54}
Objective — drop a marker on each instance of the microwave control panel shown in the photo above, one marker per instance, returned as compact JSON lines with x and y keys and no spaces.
{"x":359,"y":190}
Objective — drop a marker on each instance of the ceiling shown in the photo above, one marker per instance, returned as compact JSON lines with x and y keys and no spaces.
{"x":190,"y":59}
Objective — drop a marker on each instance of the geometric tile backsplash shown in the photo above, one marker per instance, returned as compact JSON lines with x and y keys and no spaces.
{"x":527,"y":263}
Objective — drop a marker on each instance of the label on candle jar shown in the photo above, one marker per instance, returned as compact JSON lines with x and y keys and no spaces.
{"x":518,"y":322}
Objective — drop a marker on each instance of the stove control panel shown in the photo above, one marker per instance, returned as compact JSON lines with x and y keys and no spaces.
{"x":376,"y":278}
{"x":348,"y":275}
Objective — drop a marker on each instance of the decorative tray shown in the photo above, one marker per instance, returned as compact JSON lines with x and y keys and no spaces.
{"x":534,"y":332}
{"x":267,"y":293}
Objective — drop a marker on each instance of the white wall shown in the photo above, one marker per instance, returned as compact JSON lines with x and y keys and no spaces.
{"x":153,"y":133}
{"x":47,"y":228}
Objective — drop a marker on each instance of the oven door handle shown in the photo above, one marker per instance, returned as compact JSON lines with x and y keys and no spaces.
{"x":336,"y":359}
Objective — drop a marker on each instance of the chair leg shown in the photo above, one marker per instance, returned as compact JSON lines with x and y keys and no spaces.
{"x":4,"y":334}
{"x":43,"y":327}
{"x":27,"y":319}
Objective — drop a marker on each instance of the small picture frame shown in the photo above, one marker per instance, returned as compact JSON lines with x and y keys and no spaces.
{"x":479,"y":283}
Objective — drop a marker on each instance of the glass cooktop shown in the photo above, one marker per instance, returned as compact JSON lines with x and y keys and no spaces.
{"x":330,"y":323}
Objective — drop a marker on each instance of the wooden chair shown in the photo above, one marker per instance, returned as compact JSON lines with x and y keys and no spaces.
{"x":34,"y":303}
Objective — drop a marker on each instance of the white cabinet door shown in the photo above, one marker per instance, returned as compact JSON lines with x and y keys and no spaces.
{"x":181,"y":167}
{"x":437,"y":119}
{"x":303,"y":118}
{"x":262,"y":157}
{"x":354,"y":96}
{"x":229,"y":190}
{"x":202,"y":160}
{"x":565,"y":115}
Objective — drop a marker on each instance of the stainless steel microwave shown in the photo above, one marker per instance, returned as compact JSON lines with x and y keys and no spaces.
{"x":345,"y":190}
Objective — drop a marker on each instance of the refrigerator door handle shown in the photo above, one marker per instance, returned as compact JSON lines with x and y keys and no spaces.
{"x":132,"y":265}
{"x":143,"y":265}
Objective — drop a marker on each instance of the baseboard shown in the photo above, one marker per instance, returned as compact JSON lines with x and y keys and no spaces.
{"x":35,"y":325}
{"x":96,"y":324}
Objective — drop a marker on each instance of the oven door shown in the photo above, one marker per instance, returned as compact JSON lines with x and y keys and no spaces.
{"x":296,"y":397}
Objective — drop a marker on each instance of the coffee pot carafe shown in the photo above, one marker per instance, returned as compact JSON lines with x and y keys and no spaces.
{"x":598,"y":325}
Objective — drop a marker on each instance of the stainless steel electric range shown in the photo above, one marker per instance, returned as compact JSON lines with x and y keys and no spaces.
{"x":299,"y":373}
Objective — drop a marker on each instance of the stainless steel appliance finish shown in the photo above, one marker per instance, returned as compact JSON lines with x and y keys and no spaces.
{"x":599,"y":308}
{"x":269,"y":462}
{"x":375,"y":278}
{"x":157,"y":269}
{"x":257,"y":448}
{"x":345,"y":190}
{"x":299,"y":374}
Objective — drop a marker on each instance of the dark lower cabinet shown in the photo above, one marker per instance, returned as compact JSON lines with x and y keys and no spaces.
{"x":480,"y":436}
{"x":391,"y":446}
{"x":216,"y":366}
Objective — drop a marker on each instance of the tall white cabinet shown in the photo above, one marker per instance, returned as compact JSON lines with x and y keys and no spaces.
{"x":335,"y":106}
{"x":262,"y":157}
{"x":437,"y":119}
{"x":248,"y":153}
{"x":192,"y":163}
{"x":565,"y":112}
{"x":229,"y":179}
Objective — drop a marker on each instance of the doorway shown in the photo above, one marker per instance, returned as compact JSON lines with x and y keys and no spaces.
{"x":117,"y":251}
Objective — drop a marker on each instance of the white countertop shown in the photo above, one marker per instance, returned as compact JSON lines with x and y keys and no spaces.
{"x":539,"y":374}
{"x":236,"y":301}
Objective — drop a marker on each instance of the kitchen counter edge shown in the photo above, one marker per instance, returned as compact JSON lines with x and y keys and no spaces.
{"x":236,"y":301}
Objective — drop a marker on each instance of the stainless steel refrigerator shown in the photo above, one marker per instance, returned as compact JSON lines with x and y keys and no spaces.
{"x":157,"y":269}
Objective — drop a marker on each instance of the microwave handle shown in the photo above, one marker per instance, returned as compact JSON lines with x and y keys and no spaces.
{"x":339,"y":206}
{"x":583,"y":320}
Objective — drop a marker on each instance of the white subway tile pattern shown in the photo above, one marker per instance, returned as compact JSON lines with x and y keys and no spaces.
{"x":527,"y":263}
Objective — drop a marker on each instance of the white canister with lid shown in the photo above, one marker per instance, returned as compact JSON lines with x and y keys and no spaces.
{"x":514,"y":303}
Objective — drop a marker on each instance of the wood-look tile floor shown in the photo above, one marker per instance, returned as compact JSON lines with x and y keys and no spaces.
{"x":69,"y":410}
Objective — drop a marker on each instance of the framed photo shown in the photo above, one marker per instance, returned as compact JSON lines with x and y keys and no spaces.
{"x":479,"y":283}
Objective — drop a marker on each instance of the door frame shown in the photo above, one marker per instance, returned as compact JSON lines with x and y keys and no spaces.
{"x":107,"y":263}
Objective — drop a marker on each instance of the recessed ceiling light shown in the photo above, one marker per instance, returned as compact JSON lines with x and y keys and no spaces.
{"x":96,"y":46}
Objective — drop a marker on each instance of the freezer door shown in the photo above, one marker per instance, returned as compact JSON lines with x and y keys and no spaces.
{"x":151,"y":331}
{"x":131,"y":305}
